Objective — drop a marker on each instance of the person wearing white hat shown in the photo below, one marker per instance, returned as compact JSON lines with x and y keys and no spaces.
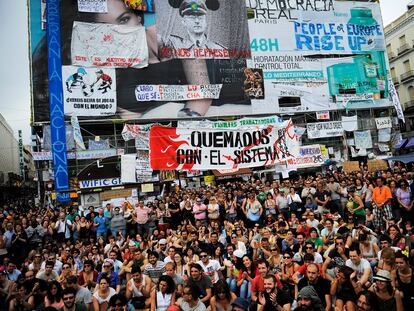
{"x":107,"y":271}
{"x":389,"y":298}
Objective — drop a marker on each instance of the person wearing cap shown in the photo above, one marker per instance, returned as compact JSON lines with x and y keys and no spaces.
{"x":355,"y":205}
{"x":240,"y":304}
{"x":273,"y":298}
{"x":193,"y":15}
{"x":389,"y":298}
{"x":309,"y":300}
{"x":107,"y":271}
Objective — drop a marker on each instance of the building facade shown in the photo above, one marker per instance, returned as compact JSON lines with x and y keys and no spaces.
{"x":9,"y":152}
{"x":399,"y":36}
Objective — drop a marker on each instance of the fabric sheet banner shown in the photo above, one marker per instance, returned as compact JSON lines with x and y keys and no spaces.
{"x":395,"y":100}
{"x":363,"y":140}
{"x":89,"y":91}
{"x":287,"y":39}
{"x":324,"y":129}
{"x":57,"y":115}
{"x":77,"y":135}
{"x":93,"y":45}
{"x":93,"y":6}
{"x":234,"y":124}
{"x":177,"y":92}
{"x":128,"y":168}
{"x":98,"y":145}
{"x":383,"y":123}
{"x":202,"y":29}
{"x":204,"y":149}
{"x":350,"y":124}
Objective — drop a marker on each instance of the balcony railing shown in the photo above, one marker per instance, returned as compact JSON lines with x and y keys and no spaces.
{"x":403,"y":48}
{"x":407,"y":75}
{"x":409,"y":104}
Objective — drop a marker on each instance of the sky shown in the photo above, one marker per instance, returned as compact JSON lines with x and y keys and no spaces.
{"x":14,"y":60}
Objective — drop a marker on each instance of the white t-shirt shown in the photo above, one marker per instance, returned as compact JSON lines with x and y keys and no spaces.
{"x":211,"y":269}
{"x":363,"y":264}
{"x":102,"y":300}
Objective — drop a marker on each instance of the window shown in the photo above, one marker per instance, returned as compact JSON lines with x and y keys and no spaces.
{"x":407,"y":66}
{"x":402,"y":40}
{"x":393,"y":73}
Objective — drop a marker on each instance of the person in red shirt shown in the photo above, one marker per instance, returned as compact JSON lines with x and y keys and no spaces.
{"x":258,"y":281}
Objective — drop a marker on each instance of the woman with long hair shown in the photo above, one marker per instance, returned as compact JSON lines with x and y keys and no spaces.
{"x":222,"y":297}
{"x":402,"y":278}
{"x":163,"y":295}
{"x":53,"y":296}
{"x":247,"y":272}
{"x":102,"y":295}
{"x":367,"y":301}
{"x":230,"y":207}
{"x":405,"y":200}
{"x":389,"y":298}
{"x":397,"y":239}
{"x":252,"y":209}
{"x":275,"y":260}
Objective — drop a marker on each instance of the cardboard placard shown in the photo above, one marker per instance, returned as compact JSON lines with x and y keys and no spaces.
{"x":351,"y":166}
{"x":377,"y":165}
{"x":111,"y":194}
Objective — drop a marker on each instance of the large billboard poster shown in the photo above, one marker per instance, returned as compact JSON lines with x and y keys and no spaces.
{"x":321,"y":55}
{"x":212,"y":58}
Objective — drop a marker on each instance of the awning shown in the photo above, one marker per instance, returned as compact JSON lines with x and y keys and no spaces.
{"x":405,"y":158}
{"x":401,"y":143}
{"x":410,"y":143}
{"x":241,"y":171}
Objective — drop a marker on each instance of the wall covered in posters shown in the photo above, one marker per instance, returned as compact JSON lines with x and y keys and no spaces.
{"x":177,"y":59}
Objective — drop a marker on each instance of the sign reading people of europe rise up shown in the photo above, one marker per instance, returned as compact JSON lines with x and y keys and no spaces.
{"x":288,"y":39}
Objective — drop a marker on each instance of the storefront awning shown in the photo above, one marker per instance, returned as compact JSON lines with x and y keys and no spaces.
{"x":401,"y":143}
{"x":223,"y":173}
{"x":410,"y":143}
{"x":405,"y":158}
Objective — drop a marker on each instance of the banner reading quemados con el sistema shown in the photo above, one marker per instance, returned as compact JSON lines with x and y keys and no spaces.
{"x":208,"y":148}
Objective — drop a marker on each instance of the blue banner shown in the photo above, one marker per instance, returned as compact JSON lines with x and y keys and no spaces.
{"x":57,"y":117}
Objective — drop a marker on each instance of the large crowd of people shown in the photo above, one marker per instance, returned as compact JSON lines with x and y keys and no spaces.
{"x":332,"y":241}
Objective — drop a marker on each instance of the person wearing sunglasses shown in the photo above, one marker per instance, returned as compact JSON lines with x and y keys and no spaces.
{"x":107,"y":271}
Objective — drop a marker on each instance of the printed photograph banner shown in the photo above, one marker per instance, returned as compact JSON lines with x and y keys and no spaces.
{"x":309,"y":156}
{"x":141,"y":5}
{"x":109,"y":46}
{"x":204,"y":149}
{"x":93,"y":6}
{"x":202,"y":29}
{"x":145,"y":93}
{"x":324,"y":129}
{"x":143,"y":171}
{"x":89,"y":91}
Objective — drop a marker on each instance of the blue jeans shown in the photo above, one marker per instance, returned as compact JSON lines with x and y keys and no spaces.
{"x":245,"y":290}
{"x":232,"y":284}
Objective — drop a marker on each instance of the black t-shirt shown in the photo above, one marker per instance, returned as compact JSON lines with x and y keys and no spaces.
{"x":282,"y":298}
{"x":202,"y":285}
{"x":336,"y":258}
{"x":322,"y":195}
{"x":322,"y":287}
